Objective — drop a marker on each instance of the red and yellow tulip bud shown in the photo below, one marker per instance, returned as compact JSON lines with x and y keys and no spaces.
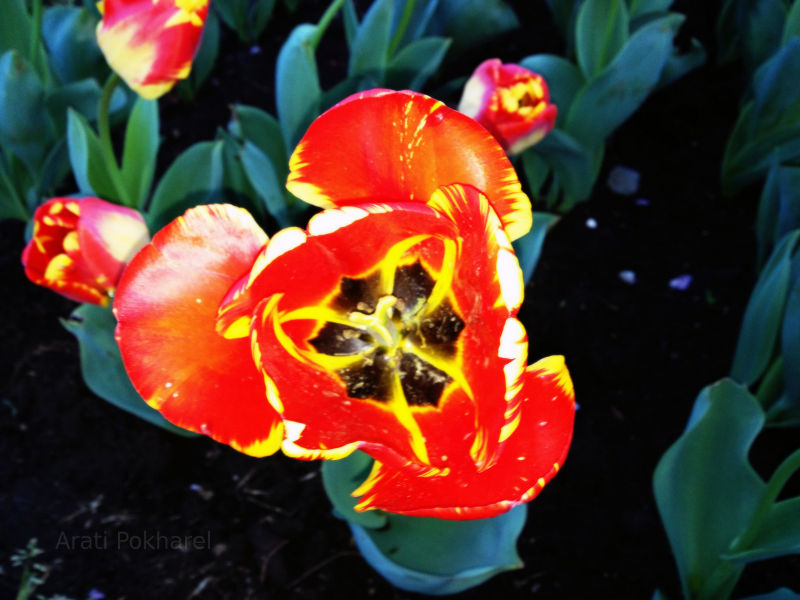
{"x":511,"y":102}
{"x":80,"y":247}
{"x":151,"y":43}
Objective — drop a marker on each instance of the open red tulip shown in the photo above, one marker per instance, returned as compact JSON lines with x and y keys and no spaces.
{"x":387,"y":325}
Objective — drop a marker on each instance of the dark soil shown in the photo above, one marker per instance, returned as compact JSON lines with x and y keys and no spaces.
{"x":89,"y":481}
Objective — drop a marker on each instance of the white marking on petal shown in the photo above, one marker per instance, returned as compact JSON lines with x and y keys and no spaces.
{"x":280,"y":243}
{"x":329,"y":221}
{"x":512,"y":285}
{"x":293,"y":430}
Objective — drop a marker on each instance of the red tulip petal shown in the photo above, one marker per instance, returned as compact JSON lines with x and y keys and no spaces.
{"x":400,"y":147}
{"x":531,"y":457}
{"x":110,"y":236}
{"x":167,"y":306}
{"x":488,"y":288}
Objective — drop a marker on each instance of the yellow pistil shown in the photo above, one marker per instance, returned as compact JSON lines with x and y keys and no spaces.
{"x":524,"y":98}
{"x":379,"y":324}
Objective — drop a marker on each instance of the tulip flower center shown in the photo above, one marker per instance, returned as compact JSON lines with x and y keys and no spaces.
{"x":524,"y":97}
{"x":400,"y":342}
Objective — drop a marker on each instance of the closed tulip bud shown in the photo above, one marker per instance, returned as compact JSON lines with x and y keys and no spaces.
{"x":80,"y":247}
{"x":511,"y":102}
{"x":151,"y":43}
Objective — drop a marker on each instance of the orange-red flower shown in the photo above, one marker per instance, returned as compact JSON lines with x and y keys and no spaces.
{"x":387,"y":325}
{"x":511,"y":102}
{"x":80,"y":247}
{"x":166,"y":308}
{"x":151,"y":43}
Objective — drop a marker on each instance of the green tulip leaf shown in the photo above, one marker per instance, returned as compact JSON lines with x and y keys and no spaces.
{"x":562,"y":77}
{"x":768,"y":127}
{"x":370,"y":51}
{"x":297,"y":88}
{"x":607,"y":101}
{"x":791,"y":27}
{"x":258,"y":16}
{"x":82,"y":96}
{"x":102,"y":368}
{"x":536,"y":171}
{"x":69,"y":35}
{"x":340,"y":478}
{"x":779,"y":594}
{"x":529,"y":246}
{"x":778,"y":208}
{"x":763,"y":30}
{"x":140,"y":150}
{"x":407,"y":27}
{"x":26,"y":128}
{"x":196,"y":177}
{"x":638,"y":8}
{"x":236,"y":185}
{"x":416,"y":63}
{"x":254,"y":125}
{"x":263,"y":178}
{"x":15,"y":28}
{"x":776,"y":100}
{"x":764,"y":314}
{"x":432,"y":556}
{"x":12,"y":203}
{"x":438,"y":556}
{"x":471,"y":23}
{"x":204,"y":60}
{"x":564,"y":14}
{"x":86,"y":158}
{"x":350,"y":19}
{"x":246,"y":17}
{"x":705,"y":489}
{"x":601,"y":31}
{"x":778,"y":535}
{"x":55,"y":168}
{"x":571,"y":162}
{"x":750,"y":29}
{"x":790,"y":347}
{"x":679,"y":64}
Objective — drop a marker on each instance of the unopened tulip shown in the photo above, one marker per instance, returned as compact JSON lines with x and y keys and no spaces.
{"x":511,"y":102}
{"x":151,"y":43}
{"x":80,"y":247}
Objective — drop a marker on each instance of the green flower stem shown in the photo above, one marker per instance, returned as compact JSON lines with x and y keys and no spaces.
{"x":325,"y":21}
{"x":104,"y":129}
{"x":771,"y":386}
{"x":408,"y":10}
